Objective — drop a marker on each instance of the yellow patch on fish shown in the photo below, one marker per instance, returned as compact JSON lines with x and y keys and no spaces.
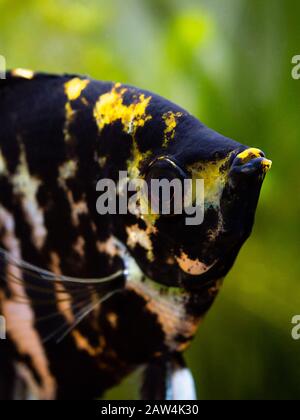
{"x":252,"y":153}
{"x":110,"y":108}
{"x":3,"y":166}
{"x":137,"y":158}
{"x":266,"y":165}
{"x":150,"y":219}
{"x":69,"y":115}
{"x":170,"y":118}
{"x":74,"y":88}
{"x":249,"y":154}
{"x":23,"y":73}
{"x":214,"y":176}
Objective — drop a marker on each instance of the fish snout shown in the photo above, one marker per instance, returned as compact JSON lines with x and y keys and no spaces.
{"x":251,"y":161}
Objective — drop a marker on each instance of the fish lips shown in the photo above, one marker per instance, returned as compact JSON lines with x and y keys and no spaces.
{"x":241,"y":193}
{"x":250,"y":162}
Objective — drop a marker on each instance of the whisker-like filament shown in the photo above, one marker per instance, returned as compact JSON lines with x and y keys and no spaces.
{"x":65,"y":324}
{"x":49,"y":276}
{"x":39,"y":288}
{"x":62,"y":311}
{"x":86,"y":311}
{"x":78,"y":292}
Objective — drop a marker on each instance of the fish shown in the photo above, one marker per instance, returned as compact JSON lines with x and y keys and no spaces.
{"x":89,"y":298}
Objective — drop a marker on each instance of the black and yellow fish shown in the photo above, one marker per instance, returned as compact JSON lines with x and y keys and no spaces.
{"x":86,"y":298}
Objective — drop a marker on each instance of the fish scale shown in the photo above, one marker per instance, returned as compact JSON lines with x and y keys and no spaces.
{"x":90,"y":298}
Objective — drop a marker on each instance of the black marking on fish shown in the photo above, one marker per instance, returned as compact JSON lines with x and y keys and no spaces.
{"x":58,"y":136}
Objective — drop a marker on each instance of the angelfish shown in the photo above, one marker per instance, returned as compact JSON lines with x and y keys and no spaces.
{"x":88,"y":299}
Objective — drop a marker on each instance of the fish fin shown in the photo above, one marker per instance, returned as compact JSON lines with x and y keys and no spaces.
{"x":154,"y":380}
{"x":17,"y":77}
{"x":14,"y":75}
{"x":17,"y":381}
{"x":46,"y":292}
{"x":168,"y":378}
{"x":7,"y":371}
{"x":47,"y":277}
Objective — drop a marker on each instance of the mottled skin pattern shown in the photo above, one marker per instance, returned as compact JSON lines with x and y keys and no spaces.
{"x":58,"y":136}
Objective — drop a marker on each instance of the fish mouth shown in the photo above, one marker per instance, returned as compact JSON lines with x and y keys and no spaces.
{"x":251,"y":161}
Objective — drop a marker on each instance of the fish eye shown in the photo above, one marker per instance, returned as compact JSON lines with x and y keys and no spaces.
{"x":164,"y":180}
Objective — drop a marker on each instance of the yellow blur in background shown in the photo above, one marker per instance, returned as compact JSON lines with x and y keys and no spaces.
{"x":229,"y":62}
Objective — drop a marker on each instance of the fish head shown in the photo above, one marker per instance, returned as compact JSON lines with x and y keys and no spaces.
{"x":167,"y":143}
{"x":205,"y":246}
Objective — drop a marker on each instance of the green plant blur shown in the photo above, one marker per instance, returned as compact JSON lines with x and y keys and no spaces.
{"x":229,"y":63}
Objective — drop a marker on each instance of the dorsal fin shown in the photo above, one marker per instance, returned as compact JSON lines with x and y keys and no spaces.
{"x":15,"y":76}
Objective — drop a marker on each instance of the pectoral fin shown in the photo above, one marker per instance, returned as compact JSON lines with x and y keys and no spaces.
{"x":169,"y":379}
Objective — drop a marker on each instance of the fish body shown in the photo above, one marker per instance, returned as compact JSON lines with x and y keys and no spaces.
{"x":71,"y":336}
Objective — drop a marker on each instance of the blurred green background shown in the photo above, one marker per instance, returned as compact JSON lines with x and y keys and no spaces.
{"x":229,"y":63}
